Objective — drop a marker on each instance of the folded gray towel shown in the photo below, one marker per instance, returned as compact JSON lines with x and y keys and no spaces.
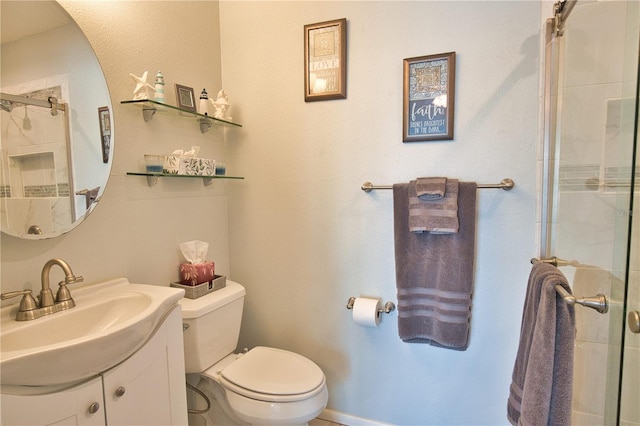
{"x":434,"y":275}
{"x":436,"y":216}
{"x":542,"y":381}
{"x":431,"y":188}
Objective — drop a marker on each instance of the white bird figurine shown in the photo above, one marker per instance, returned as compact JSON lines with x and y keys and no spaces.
{"x":140,"y":92}
{"x":221,"y":105}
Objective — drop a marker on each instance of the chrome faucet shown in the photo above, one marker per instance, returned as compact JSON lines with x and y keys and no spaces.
{"x":30,"y":309}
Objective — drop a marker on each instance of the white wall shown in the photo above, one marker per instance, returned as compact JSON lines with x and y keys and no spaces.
{"x":303,"y":237}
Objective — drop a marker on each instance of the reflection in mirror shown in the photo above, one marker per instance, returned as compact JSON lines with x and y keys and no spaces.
{"x":56,"y":144}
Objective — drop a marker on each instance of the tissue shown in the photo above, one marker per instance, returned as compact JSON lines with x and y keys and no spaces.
{"x":188,"y":163}
{"x":196,"y":270}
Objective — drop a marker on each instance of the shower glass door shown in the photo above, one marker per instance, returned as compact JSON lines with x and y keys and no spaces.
{"x":591,"y":129}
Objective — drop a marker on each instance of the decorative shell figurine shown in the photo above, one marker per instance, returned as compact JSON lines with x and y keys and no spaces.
{"x":140,"y":91}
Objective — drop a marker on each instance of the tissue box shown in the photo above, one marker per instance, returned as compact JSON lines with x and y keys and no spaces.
{"x":193,"y":292}
{"x":192,"y":166}
{"x":194,"y":274}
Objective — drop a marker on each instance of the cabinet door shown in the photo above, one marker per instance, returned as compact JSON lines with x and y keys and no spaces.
{"x":149,"y":388}
{"x":80,"y":405}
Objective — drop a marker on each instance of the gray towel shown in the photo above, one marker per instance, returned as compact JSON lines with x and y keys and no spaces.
{"x":542,"y":381}
{"x":434,"y":275}
{"x":435,"y":216}
{"x":431,"y":188}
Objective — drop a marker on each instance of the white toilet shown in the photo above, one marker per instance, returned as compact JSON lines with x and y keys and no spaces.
{"x":260,"y":386}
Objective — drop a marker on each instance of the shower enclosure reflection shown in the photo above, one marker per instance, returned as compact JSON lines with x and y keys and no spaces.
{"x":36,"y":181}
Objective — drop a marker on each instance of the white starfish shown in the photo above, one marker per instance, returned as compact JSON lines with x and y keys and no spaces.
{"x":139,"y":92}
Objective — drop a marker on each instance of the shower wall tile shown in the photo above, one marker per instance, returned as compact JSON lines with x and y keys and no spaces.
{"x":592,"y":326}
{"x":63,"y":189}
{"x":630,"y":409}
{"x":584,"y":177}
{"x":35,"y":191}
{"x":581,"y":141}
{"x":619,"y":136}
{"x":585,"y":228}
{"x":60,"y":213}
{"x":595,"y":57}
{"x":590,"y":379}
{"x":25,"y":212}
{"x":586,"y":419}
{"x":5,"y":191}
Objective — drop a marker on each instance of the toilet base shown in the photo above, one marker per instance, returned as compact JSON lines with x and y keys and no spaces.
{"x":221,"y":413}
{"x":281,"y":413}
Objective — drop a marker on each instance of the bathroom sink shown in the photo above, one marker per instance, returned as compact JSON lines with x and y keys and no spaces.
{"x":110,"y":322}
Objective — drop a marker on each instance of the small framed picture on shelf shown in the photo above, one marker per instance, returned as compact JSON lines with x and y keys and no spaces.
{"x":105,"y":132}
{"x":325,"y":60}
{"x":185,"y":98}
{"x":429,"y":95}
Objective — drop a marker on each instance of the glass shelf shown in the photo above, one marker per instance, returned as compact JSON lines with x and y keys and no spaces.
{"x":149,"y":108}
{"x":152,"y":178}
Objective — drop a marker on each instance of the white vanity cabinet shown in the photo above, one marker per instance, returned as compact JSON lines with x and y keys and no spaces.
{"x":146,"y":389}
{"x":80,"y":405}
{"x":149,"y":388}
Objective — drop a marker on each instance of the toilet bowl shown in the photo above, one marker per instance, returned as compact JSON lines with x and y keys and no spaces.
{"x":271,"y":384}
{"x":260,"y":386}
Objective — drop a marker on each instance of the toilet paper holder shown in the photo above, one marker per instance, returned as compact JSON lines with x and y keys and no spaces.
{"x":388,"y":307}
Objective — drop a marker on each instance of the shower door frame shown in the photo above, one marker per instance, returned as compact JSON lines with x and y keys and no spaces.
{"x":549,"y":193}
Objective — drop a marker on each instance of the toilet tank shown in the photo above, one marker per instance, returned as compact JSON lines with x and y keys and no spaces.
{"x":211,"y":326}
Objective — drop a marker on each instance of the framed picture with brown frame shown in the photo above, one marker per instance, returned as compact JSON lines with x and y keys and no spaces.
{"x":325,"y":60}
{"x":185,"y":98}
{"x":429,"y":95}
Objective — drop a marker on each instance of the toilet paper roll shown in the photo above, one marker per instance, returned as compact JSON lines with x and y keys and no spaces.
{"x":365,"y":311}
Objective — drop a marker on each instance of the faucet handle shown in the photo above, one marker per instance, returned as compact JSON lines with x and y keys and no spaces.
{"x":28,"y":303}
{"x":63,"y":296}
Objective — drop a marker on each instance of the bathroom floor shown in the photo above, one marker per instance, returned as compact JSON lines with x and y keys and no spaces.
{"x":321,"y":422}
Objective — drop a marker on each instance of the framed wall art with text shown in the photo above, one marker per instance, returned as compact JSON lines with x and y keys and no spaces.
{"x":325,"y":60}
{"x":429,"y":95}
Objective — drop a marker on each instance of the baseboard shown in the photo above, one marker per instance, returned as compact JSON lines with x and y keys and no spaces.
{"x":347,"y":419}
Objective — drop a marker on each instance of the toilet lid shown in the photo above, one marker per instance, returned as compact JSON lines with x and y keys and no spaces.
{"x":271,"y":371}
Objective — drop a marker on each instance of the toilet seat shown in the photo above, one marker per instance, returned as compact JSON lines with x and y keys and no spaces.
{"x":270,"y":374}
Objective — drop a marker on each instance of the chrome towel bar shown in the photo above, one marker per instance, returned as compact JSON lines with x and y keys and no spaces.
{"x":506,"y":184}
{"x":598,"y":302}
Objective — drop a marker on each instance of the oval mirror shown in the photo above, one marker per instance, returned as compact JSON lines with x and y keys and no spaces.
{"x":56,"y":145}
